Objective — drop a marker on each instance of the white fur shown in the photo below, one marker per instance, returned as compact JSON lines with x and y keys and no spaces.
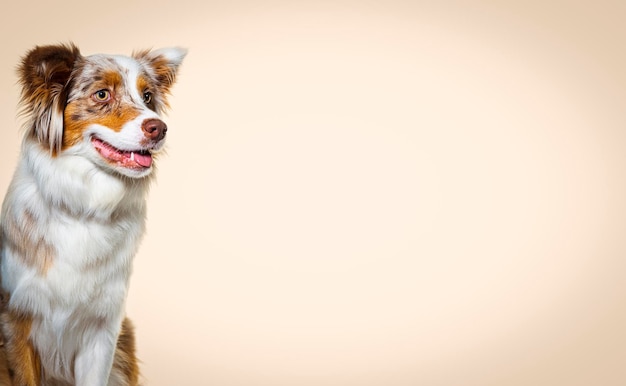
{"x":174,"y":55}
{"x":80,"y":227}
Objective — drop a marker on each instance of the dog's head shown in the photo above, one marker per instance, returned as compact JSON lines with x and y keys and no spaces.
{"x":102,"y":107}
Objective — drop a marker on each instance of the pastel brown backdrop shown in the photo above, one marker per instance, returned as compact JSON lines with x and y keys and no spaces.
{"x":372,"y":193}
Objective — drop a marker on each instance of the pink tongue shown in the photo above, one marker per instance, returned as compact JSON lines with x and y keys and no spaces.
{"x":125,"y":158}
{"x":144,"y":160}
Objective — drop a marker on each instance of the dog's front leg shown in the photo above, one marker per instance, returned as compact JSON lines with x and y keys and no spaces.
{"x":22,"y":358}
{"x":94,"y":362}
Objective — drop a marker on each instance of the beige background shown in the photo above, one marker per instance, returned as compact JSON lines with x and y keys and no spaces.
{"x":373,"y":193}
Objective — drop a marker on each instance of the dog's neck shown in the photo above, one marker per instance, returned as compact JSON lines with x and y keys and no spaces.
{"x":79,"y":188}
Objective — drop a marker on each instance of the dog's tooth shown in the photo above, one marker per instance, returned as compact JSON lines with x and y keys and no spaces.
{"x":132,"y":155}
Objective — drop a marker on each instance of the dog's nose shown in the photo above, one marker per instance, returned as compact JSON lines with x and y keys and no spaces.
{"x":154,"y":129}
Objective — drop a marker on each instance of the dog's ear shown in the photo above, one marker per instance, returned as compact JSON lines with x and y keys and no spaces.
{"x":163,"y":66}
{"x":45,"y":73}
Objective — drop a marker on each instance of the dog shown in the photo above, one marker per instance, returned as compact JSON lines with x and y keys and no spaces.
{"x":74,"y":213}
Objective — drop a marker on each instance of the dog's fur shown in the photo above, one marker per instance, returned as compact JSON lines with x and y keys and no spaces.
{"x":75,"y":211}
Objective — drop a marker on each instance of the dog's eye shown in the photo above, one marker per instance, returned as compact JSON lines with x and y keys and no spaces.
{"x":147,"y":97}
{"x":102,"y":95}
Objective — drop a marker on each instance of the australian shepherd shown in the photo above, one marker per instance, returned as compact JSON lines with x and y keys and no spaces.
{"x":75,"y":212}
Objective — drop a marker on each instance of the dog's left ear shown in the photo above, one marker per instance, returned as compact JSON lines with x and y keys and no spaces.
{"x":45,"y":73}
{"x":163,"y":65}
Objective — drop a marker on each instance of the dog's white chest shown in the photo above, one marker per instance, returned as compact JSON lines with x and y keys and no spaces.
{"x":82,"y":294}
{"x":78,"y":294}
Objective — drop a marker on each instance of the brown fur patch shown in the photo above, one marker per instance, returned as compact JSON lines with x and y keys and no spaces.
{"x":44,"y":74}
{"x":23,"y":362}
{"x":165,"y":74}
{"x":81,"y":113}
{"x":142,"y":84}
{"x":125,"y":364}
{"x":5,"y":378}
{"x":24,"y":238}
{"x":112,"y":79}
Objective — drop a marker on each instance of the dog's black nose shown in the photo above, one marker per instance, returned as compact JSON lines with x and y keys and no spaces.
{"x":154,"y":129}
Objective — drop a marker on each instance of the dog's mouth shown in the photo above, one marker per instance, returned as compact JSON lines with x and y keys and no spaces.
{"x":138,"y":159}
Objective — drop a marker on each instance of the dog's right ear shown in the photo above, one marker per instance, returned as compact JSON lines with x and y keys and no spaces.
{"x":45,"y":73}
